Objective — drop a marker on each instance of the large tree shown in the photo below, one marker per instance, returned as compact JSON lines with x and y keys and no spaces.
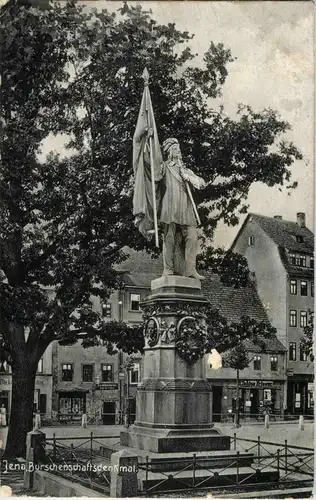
{"x":64,"y":218}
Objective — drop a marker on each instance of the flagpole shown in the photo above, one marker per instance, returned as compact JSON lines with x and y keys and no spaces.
{"x":198,"y":220}
{"x":146,"y":83}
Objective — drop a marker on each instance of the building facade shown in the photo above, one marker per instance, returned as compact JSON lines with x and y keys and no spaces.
{"x":43,"y":386}
{"x":281,"y":255}
{"x":261,"y":387}
{"x":89,"y":379}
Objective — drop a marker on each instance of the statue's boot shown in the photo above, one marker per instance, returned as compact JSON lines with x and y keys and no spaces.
{"x":196,"y":276}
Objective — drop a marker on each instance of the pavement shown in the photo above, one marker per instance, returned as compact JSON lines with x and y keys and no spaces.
{"x":276,"y":433}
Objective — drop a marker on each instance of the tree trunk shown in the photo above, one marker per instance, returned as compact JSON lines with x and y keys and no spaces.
{"x":21,"y":415}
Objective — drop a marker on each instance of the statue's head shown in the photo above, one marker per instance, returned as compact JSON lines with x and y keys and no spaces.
{"x":171,"y":148}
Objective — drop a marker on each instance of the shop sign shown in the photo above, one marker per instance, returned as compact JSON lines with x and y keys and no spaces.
{"x":297,"y":404}
{"x":310,"y":386}
{"x":248,"y":403}
{"x":40,"y":382}
{"x":256,"y":383}
{"x":5,"y":381}
{"x":108,"y":386}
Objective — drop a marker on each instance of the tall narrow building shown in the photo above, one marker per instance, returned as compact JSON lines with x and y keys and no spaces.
{"x":280,"y":255}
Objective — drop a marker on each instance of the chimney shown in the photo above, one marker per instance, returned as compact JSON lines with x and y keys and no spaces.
{"x":300,"y":219}
{"x":279,"y":217}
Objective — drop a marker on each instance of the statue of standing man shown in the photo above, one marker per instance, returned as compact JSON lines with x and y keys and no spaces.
{"x":162,"y":194}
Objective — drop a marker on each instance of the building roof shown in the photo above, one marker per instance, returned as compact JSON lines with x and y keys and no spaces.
{"x":234,"y":303}
{"x":284,"y":233}
{"x":140,"y":269}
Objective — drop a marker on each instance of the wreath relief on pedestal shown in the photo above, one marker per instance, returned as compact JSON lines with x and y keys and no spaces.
{"x":193,"y":340}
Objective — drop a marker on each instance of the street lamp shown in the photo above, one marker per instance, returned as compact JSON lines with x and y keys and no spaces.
{"x":129,"y":363}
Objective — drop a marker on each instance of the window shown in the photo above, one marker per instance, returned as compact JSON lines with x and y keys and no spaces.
{"x":67,"y":372}
{"x":293,"y":287}
{"x":274,"y":363}
{"x":87,"y":373}
{"x":107,"y":373}
{"x":40,"y":366}
{"x":251,"y":240}
{"x":292,"y":258}
{"x":134,"y":374}
{"x":303,"y":319}
{"x":299,"y":238}
{"x":297,"y":260}
{"x":303,"y":353}
{"x":257,"y":363}
{"x":107,"y":310}
{"x":302,"y":261}
{"x":292,"y":351}
{"x":293,"y":317}
{"x":312,"y":262}
{"x":304,"y":288}
{"x":135,"y":300}
{"x":312,"y":288}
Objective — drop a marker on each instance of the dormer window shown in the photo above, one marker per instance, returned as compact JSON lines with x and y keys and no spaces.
{"x":297,"y":259}
{"x":299,"y":238}
{"x":292,"y":258}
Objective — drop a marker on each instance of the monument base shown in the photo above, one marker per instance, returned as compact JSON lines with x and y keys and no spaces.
{"x":174,"y":398}
{"x":174,"y":440}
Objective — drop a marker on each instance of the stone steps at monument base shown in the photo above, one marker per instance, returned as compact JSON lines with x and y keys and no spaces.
{"x":154,"y":482}
{"x":177,"y":460}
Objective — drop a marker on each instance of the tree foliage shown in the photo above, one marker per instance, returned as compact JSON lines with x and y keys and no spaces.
{"x":307,"y":340}
{"x":236,"y":358}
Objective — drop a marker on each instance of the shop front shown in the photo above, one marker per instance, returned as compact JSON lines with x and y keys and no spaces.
{"x":259,"y":397}
{"x":71,"y":405}
{"x":300,"y":395}
{"x":256,"y":398}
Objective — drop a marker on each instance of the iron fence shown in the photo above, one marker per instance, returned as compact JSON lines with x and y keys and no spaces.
{"x":259,"y":417}
{"x":253,"y":465}
{"x":80,"y":459}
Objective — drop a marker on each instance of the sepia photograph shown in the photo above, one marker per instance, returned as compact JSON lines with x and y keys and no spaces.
{"x":157,"y":248}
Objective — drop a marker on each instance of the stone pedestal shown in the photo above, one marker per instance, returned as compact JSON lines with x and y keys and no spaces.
{"x":174,"y":399}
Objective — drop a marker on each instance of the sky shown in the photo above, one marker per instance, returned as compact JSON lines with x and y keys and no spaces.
{"x":274,"y":46}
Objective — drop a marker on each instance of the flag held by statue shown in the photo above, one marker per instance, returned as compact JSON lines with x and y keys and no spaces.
{"x":147,"y":162}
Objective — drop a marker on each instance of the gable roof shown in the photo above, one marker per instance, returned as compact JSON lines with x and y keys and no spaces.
{"x":284,"y":233}
{"x":140,"y":269}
